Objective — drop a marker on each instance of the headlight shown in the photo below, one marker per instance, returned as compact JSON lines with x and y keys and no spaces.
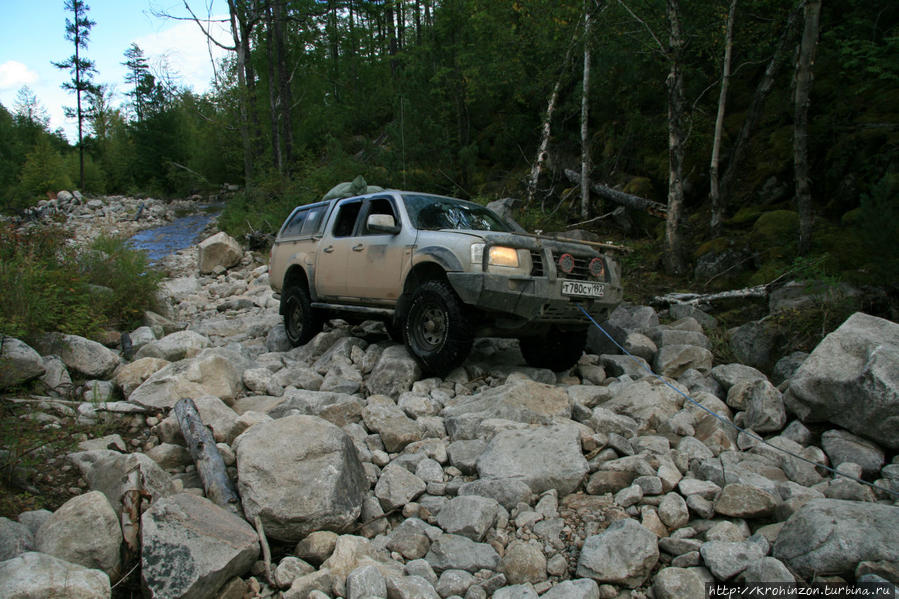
{"x":503,"y":256}
{"x":497,"y":255}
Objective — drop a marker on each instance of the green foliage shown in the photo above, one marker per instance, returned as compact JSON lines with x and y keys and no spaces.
{"x":46,"y":285}
{"x":44,"y":171}
{"x":878,"y":220}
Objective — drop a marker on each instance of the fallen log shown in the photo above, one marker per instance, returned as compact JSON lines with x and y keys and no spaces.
{"x":206,"y":456}
{"x":619,"y":197}
{"x":694,"y":299}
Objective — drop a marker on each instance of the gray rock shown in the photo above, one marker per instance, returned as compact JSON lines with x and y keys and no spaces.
{"x":212,"y":372}
{"x":546,"y":457}
{"x":607,"y":421}
{"x":764,"y":408}
{"x":752,"y":344}
{"x":619,"y":365}
{"x":726,"y":559}
{"x":397,"y":430}
{"x":729,"y":375}
{"x":519,"y":400}
{"x":19,"y":363}
{"x":365,"y":581}
{"x":468,"y":515}
{"x":786,"y":367}
{"x":516,"y":591}
{"x":673,"y":511}
{"x":15,"y":539}
{"x":640,"y":345}
{"x":394,"y":372}
{"x":84,"y":356}
{"x":397,"y":486}
{"x":299,"y":474}
{"x":745,"y":501}
{"x":34,"y":519}
{"x":454,"y":582}
{"x":84,"y":530}
{"x":339,"y":409}
{"x":411,"y":587}
{"x":648,"y":401}
{"x":831,"y":536}
{"x":108,"y":471}
{"x":56,"y":376}
{"x":624,"y":554}
{"x":841,"y":446}
{"x":508,"y":492}
{"x":675,"y":583}
{"x":190,"y":547}
{"x":524,"y":563}
{"x":220,"y":250}
{"x":851,"y":380}
{"x":35,"y":575}
{"x":767,"y":570}
{"x":291,"y":568}
{"x":463,"y":454}
{"x":581,"y":588}
{"x":175,"y":346}
{"x":461,"y":553}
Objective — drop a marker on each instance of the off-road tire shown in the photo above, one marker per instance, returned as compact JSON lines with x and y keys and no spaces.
{"x":558,"y":350}
{"x":301,"y":321}
{"x":437,"y":330}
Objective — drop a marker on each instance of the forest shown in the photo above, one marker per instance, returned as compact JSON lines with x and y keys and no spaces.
{"x":765,"y":130}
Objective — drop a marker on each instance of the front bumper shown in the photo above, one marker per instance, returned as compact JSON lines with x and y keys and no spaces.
{"x":530,"y":299}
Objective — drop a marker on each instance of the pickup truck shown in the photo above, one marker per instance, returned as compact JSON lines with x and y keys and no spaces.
{"x":438,"y":271}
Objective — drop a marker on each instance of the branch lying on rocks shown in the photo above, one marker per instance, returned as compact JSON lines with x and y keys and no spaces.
{"x":695,"y":299}
{"x":210,"y":466}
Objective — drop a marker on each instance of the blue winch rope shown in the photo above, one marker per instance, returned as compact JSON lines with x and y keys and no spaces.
{"x":751,"y":434}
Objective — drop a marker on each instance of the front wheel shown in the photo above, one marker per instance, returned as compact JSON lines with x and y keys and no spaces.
{"x":301,"y":321}
{"x":436,"y":329}
{"x":558,"y":350}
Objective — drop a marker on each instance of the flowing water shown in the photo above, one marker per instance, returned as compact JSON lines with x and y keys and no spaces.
{"x":181,"y":233}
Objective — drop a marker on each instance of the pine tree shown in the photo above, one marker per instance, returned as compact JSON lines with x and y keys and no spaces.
{"x":81,"y":69}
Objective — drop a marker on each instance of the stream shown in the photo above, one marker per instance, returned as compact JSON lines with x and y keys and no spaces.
{"x":181,"y":233}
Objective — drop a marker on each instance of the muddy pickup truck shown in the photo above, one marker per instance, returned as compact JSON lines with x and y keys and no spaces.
{"x":438,"y":272}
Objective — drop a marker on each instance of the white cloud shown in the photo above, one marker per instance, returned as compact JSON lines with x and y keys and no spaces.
{"x":14,"y":74}
{"x":185,"y":50}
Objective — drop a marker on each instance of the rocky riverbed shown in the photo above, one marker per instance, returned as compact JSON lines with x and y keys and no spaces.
{"x":367,"y":480}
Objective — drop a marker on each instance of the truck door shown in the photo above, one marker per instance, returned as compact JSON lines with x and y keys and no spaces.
{"x":331,"y":262}
{"x":376,"y":259}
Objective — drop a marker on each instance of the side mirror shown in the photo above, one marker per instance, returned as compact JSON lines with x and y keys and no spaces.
{"x":382,"y":223}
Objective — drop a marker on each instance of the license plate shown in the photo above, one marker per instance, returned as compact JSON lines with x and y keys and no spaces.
{"x":583,"y":289}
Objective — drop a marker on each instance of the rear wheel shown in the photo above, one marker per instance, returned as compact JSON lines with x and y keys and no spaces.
{"x":436,"y":328}
{"x":301,"y":321}
{"x":558,"y":350}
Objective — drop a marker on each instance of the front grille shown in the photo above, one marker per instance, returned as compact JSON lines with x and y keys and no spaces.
{"x":581,"y":270}
{"x":537,"y":269}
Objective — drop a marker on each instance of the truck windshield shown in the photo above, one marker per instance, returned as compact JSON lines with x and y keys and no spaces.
{"x":432,"y":213}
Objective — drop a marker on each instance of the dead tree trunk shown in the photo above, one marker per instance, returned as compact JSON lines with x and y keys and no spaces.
{"x":804,"y":76}
{"x":714,"y":188}
{"x":754,"y":113}
{"x":619,"y":197}
{"x":585,"y":114}
{"x":545,"y":131}
{"x":206,"y":456}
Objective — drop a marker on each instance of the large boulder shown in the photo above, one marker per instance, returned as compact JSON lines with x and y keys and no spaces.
{"x":384,"y":417}
{"x":86,"y":357}
{"x":109,"y":472}
{"x":299,"y":474}
{"x":219,"y":250}
{"x":19,"y":362}
{"x":831,"y":536}
{"x":190,"y":547}
{"x":544,"y":457}
{"x":520,"y":400}
{"x":36,"y":575}
{"x":84,"y":530}
{"x":852,"y":379}
{"x":213,"y":372}
{"x":176,"y":346}
{"x":394,"y":372}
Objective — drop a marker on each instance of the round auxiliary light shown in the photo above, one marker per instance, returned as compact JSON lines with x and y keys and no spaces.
{"x":566,"y":263}
{"x":597,"y":267}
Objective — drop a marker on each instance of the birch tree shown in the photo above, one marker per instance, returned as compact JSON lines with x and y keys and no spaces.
{"x":714,"y":188}
{"x":585,"y":114}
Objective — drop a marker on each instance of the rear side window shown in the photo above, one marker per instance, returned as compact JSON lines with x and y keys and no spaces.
{"x":295,"y":223}
{"x":313,"y":221}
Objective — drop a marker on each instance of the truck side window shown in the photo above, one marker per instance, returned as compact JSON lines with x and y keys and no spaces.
{"x":346,"y":218}
{"x":313,"y":221}
{"x":295,"y":225}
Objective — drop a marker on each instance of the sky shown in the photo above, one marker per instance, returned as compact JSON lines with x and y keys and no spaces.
{"x":32,"y":34}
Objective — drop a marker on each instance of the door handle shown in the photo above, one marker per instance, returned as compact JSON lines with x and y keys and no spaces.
{"x":328,"y":249}
{"x":358,"y":247}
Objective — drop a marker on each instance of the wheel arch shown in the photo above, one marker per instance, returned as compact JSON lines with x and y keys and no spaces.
{"x":418,"y":276}
{"x":295,"y":276}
